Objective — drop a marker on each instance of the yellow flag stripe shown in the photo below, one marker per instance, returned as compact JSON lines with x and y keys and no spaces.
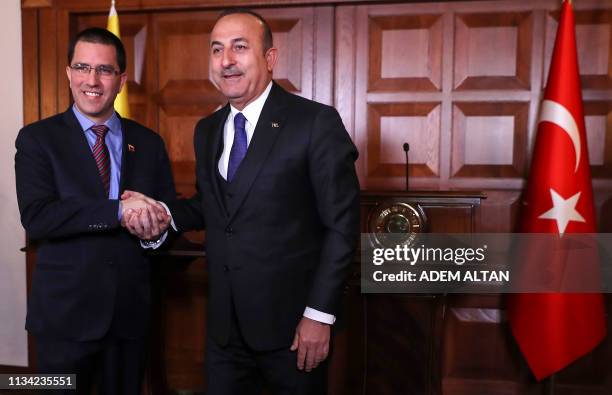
{"x":121,"y":101}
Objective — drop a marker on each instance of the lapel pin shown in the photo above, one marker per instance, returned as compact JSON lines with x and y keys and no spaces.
{"x":131,"y":148}
{"x":275,"y":124}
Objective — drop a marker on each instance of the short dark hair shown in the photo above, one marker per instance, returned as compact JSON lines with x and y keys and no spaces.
{"x":267,"y":32}
{"x":98,"y":35}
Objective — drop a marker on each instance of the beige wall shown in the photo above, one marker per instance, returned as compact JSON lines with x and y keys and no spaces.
{"x":13,"y":338}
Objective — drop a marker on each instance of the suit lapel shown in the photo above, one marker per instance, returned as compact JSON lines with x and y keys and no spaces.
{"x":127,"y":155}
{"x":214,"y":148}
{"x":268,"y":127}
{"x":77,"y":144}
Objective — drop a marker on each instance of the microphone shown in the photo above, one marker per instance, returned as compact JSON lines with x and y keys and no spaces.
{"x":406,"y":148}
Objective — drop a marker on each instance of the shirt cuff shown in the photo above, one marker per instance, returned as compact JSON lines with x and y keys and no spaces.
{"x":155,"y":243}
{"x":170,"y":215}
{"x":320,"y":316}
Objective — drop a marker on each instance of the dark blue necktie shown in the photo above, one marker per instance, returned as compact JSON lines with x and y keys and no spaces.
{"x":239,"y":147}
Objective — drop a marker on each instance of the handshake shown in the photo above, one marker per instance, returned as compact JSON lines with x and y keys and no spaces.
{"x":142,"y":216}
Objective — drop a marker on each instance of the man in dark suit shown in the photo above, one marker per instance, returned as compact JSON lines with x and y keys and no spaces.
{"x":89,"y":302}
{"x":279,"y":199}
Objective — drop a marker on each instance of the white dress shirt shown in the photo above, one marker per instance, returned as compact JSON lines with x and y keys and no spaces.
{"x":251,"y":112}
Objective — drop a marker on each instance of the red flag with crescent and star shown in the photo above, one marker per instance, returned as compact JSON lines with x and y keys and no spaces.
{"x":555,"y":329}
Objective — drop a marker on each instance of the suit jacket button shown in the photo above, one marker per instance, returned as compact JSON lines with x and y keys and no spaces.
{"x":226,"y":268}
{"x":229,"y":231}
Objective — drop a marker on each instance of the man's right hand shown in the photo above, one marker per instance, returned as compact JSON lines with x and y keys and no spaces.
{"x":142,"y":216}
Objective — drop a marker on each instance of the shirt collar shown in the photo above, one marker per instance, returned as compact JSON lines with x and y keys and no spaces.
{"x":252,"y":111}
{"x":113,"y":123}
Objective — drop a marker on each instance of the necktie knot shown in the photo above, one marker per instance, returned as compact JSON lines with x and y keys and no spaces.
{"x":239,"y":121}
{"x":100,"y":131}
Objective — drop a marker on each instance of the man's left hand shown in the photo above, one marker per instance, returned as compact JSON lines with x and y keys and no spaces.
{"x":311,"y":342}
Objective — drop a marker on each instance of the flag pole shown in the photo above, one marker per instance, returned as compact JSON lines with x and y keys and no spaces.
{"x":121,"y":101}
{"x":550,"y":384}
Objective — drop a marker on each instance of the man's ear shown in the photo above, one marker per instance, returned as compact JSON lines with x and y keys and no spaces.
{"x":124,"y":78}
{"x":68,"y":69}
{"x":271,"y":58}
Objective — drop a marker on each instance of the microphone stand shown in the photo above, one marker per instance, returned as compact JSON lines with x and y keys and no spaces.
{"x":406,"y":148}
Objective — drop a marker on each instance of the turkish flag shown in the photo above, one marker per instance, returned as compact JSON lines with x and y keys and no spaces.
{"x":554,"y":329}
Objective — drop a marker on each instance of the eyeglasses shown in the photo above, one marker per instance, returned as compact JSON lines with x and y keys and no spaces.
{"x":102,"y":70}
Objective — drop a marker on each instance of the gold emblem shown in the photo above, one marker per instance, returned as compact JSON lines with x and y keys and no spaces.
{"x":396,"y":223}
{"x":275,"y":124}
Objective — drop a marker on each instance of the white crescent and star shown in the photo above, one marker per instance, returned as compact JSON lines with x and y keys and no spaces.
{"x":563,"y":210}
{"x":556,"y":113}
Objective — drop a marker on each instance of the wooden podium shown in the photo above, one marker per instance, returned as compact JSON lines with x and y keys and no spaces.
{"x":394,"y":343}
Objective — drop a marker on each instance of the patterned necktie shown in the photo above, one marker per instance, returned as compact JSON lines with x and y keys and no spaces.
{"x":101,"y":155}
{"x":239,"y":147}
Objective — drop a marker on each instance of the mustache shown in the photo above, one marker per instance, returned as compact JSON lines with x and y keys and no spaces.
{"x":231,"y":71}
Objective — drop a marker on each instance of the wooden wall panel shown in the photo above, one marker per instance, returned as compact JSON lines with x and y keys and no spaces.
{"x":473,"y":66}
{"x":185,"y":92}
{"x":491,"y":368}
{"x":405,"y":53}
{"x":492,"y":50}
{"x":493,"y":55}
{"x":598,"y":123}
{"x":393,"y":124}
{"x":489,"y":139}
{"x":30,"y":39}
{"x":411,"y":374}
{"x":297,"y":34}
{"x":397,"y":55}
{"x":182,"y":286}
{"x":345,"y":81}
{"x":49,"y":63}
{"x":594,"y":43}
{"x":500,"y":210}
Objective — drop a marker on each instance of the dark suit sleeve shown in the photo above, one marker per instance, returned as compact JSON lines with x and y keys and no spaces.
{"x":165,"y":183}
{"x":187,"y":214}
{"x":44,"y":214}
{"x":332,"y":157}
